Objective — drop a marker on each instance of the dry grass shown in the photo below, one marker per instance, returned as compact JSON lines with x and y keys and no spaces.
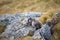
{"x":24,"y":38}
{"x":18,"y":6}
{"x":56,"y":35}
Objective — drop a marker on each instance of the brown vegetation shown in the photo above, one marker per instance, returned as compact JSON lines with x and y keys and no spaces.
{"x":18,"y":6}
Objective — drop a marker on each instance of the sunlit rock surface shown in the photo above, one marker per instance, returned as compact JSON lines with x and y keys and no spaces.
{"x":16,"y":25}
{"x":43,"y":32}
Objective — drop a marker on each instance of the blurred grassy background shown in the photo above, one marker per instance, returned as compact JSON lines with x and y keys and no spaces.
{"x":18,"y":6}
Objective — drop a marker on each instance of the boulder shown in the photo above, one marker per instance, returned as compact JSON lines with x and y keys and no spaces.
{"x":16,"y":26}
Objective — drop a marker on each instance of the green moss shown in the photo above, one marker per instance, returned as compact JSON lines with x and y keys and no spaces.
{"x":2,"y":28}
{"x":44,"y":18}
{"x":5,"y":2}
{"x":45,"y":0}
{"x":51,"y":14}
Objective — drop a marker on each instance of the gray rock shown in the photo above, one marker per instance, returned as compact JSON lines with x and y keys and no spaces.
{"x":11,"y":38}
{"x":16,"y":25}
{"x":57,"y":14}
{"x":43,"y":33}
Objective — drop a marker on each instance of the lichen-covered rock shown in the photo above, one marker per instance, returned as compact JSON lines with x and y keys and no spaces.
{"x":37,"y":34}
{"x":43,"y":32}
{"x":17,"y":24}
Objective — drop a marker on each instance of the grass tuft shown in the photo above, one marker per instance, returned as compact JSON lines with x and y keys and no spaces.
{"x":5,"y":2}
{"x":2,"y":28}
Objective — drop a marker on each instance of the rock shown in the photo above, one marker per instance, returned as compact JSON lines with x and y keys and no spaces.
{"x":31,"y":33}
{"x":37,"y":34}
{"x":57,"y":14}
{"x":16,"y":24}
{"x":11,"y":38}
{"x":43,"y":33}
{"x":26,"y":30}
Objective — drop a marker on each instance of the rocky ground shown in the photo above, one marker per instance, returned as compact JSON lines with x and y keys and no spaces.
{"x":49,"y":7}
{"x":16,"y":27}
{"x":15,"y":24}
